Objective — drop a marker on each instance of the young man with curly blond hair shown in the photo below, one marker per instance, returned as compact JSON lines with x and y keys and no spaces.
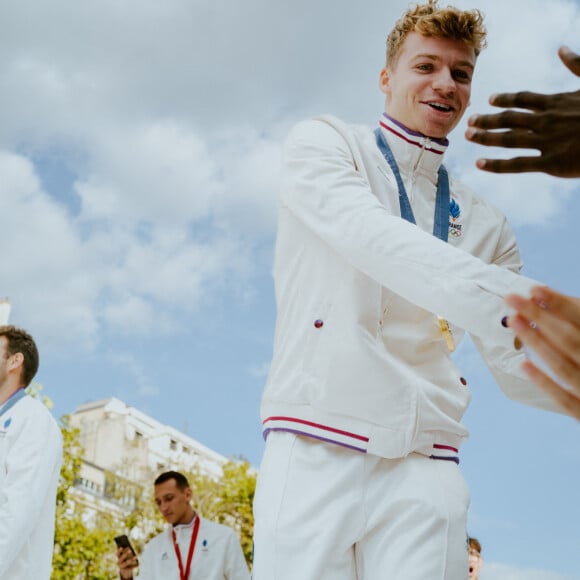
{"x":382,"y":262}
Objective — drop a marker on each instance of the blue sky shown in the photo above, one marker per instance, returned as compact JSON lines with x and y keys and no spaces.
{"x":139,"y":152}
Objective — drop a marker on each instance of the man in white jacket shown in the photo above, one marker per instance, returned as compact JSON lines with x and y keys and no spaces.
{"x":382,"y":262}
{"x":30,"y":458}
{"x":191,"y":548}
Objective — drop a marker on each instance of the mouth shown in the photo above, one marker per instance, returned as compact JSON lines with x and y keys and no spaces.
{"x":470,"y":570}
{"x":441,"y":107}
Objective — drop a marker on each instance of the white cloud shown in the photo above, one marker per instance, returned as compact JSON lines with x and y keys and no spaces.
{"x":496,"y":571}
{"x":159,"y":171}
{"x":43,"y":260}
{"x":175,"y":125}
{"x":260,"y":371}
{"x":130,"y":366}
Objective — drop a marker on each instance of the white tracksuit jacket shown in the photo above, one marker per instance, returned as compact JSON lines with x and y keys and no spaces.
{"x":30,"y":459}
{"x":218,"y":554}
{"x":359,"y":357}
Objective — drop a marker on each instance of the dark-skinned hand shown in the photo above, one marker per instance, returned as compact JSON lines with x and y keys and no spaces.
{"x":549,"y":124}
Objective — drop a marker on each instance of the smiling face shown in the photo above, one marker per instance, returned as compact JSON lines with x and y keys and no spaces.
{"x":429,"y":85}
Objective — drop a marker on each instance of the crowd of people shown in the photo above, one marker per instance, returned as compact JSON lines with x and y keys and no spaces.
{"x":383,"y":261}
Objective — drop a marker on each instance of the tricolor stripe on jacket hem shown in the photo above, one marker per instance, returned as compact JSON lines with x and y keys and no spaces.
{"x":437,"y":146}
{"x":340,"y":437}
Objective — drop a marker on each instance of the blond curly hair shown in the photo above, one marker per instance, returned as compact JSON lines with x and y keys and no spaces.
{"x":431,"y":20}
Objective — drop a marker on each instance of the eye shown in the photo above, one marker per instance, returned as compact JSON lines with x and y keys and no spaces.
{"x":462,"y":75}
{"x":425,"y":67}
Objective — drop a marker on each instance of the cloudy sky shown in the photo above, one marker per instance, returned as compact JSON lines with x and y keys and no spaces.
{"x":139,"y":152}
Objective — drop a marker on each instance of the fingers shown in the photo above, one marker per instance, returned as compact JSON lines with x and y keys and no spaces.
{"x":514,"y":165}
{"x":566,"y":307}
{"x":554,"y":333}
{"x":503,"y":120}
{"x":516,"y":139}
{"x":555,"y":324}
{"x":126,"y":560}
{"x":569,"y":401}
{"x":570,"y":59}
{"x":519,"y":100}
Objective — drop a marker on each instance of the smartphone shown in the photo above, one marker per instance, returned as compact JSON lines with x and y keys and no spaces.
{"x":123,"y":542}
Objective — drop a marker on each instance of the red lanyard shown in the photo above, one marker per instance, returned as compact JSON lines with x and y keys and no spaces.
{"x":189,"y":554}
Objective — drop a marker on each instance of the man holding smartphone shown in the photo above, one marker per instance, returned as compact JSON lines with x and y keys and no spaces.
{"x":192,"y":548}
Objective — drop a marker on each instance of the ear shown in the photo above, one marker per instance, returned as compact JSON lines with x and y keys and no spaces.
{"x":384,"y":81}
{"x":15,"y":361}
{"x":188,"y":493}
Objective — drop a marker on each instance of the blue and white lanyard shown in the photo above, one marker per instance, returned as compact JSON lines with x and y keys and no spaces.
{"x":14,"y":398}
{"x":442,"y":203}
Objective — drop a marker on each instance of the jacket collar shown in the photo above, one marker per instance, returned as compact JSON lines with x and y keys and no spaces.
{"x":413,"y":151}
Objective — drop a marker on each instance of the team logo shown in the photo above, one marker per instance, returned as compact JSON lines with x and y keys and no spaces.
{"x":455,"y":228}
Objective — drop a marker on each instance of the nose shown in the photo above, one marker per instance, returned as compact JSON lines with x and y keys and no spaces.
{"x":444,"y":82}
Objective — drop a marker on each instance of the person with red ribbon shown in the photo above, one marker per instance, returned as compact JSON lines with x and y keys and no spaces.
{"x":192,"y":548}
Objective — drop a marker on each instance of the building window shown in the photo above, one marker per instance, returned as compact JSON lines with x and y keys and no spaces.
{"x":173,"y":445}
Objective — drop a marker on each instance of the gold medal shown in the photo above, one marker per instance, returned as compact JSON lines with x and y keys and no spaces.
{"x":446,"y":332}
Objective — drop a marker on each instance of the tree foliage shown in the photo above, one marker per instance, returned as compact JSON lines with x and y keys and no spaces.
{"x":82,"y":540}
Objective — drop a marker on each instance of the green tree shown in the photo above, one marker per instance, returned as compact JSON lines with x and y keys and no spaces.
{"x":229,"y":499}
{"x":82,"y":542}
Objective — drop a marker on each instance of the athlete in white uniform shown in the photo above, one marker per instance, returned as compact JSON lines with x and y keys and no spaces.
{"x":363,"y":405}
{"x":192,"y":548}
{"x":30,"y":458}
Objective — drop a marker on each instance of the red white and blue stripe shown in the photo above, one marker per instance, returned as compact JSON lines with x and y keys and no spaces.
{"x":437,"y":146}
{"x":318,"y":431}
{"x":348,"y":439}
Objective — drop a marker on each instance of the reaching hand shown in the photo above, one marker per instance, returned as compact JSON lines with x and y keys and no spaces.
{"x":552,"y":127}
{"x":549,"y":324}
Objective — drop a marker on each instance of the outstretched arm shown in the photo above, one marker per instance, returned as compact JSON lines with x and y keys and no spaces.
{"x":551,"y":125}
{"x":549,"y":323}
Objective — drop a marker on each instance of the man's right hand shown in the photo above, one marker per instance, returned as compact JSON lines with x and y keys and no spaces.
{"x":126,"y":561}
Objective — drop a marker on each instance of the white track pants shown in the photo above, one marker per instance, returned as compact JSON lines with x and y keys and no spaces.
{"x":327,"y":513}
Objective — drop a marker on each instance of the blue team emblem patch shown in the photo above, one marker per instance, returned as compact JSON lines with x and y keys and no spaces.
{"x":7,"y":423}
{"x":455,"y":228}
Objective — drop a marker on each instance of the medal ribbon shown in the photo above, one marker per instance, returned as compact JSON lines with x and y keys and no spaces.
{"x":182,"y":575}
{"x":441,"y":219}
{"x":12,"y":400}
